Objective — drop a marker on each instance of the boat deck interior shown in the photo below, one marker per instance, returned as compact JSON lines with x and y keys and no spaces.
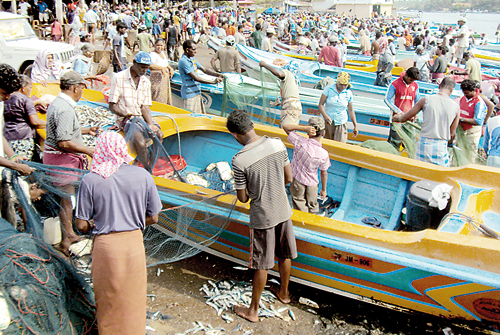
{"x":364,"y":195}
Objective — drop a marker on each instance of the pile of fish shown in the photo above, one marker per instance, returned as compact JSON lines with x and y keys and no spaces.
{"x":225,"y":294}
{"x":90,"y":117}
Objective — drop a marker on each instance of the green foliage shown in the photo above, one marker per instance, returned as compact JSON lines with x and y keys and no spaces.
{"x":449,"y":5}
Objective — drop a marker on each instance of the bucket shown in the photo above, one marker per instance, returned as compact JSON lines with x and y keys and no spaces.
{"x":52,"y":230}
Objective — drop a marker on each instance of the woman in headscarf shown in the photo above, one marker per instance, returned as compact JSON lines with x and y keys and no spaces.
{"x":76,"y":27}
{"x":118,"y":255}
{"x":161,"y":73}
{"x":45,"y":68}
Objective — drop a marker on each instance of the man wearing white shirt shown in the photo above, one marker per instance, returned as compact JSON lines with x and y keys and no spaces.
{"x":462,"y":39}
{"x":91,"y":19}
{"x":24,"y":6}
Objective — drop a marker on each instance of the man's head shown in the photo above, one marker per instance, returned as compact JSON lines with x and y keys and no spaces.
{"x":189,"y":48}
{"x":121,"y":27}
{"x":241,"y":28}
{"x":258,"y":26}
{"x":470,"y":88}
{"x":10,"y":81}
{"x":333,"y":39}
{"x":142,"y":61}
{"x":466,"y":55}
{"x":442,"y":50}
{"x":461,"y":21}
{"x":270,"y":32}
{"x":27,"y":85}
{"x":447,"y":85}
{"x":411,"y":75}
{"x":378,"y":34}
{"x":230,"y":40}
{"x":239,"y":124}
{"x":318,"y":123}
{"x":72,"y":84}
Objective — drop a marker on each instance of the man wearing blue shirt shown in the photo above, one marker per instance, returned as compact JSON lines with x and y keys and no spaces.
{"x":191,"y":87}
{"x":43,"y":16}
{"x":335,"y":105}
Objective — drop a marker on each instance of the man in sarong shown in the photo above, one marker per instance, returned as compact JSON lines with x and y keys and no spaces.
{"x":64,"y":146}
{"x":439,"y":124}
{"x":291,"y":107}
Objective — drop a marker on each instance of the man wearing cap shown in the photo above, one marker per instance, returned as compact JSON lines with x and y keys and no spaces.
{"x":330,"y":54}
{"x":267,"y":42}
{"x":472,"y":68}
{"x":64,"y":145}
{"x":144,"y":40}
{"x":229,"y":58}
{"x":335,"y":105}
{"x":308,"y":156}
{"x":462,"y":39}
{"x":149,"y":16}
{"x":191,"y":88}
{"x":119,"y":55}
{"x":420,"y":61}
{"x":291,"y":107}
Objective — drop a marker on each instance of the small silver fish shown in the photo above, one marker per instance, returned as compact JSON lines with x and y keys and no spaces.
{"x":227,"y":318}
{"x":312,"y":311}
{"x":240,"y":268}
{"x":292,"y":314}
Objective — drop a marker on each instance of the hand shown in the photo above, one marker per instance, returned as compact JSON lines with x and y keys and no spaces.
{"x":218,"y":80}
{"x":23,"y":169}
{"x":355,"y":131}
{"x":262,"y":63}
{"x":396,"y":118}
{"x":40,"y":102}
{"x":157,"y":131}
{"x":322,"y":194}
{"x":328,"y":119}
{"x":94,"y":130}
{"x":311,"y":131}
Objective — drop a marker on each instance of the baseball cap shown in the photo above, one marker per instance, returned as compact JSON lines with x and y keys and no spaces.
{"x":316,"y":122}
{"x":333,"y":38}
{"x":230,"y":40}
{"x":72,"y":78}
{"x":420,"y":47}
{"x":463,"y":19}
{"x":270,"y":31}
{"x":142,"y":58}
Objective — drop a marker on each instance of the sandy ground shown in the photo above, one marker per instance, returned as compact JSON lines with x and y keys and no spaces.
{"x":175,"y":293}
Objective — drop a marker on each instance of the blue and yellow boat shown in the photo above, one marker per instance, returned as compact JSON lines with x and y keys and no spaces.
{"x":451,"y":271}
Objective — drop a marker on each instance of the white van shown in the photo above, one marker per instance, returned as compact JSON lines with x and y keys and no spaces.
{"x":19,"y":44}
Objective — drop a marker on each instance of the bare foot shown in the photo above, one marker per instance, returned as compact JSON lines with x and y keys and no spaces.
{"x":63,"y":248}
{"x":74,"y":239}
{"x":284,"y":298}
{"x":244,"y":312}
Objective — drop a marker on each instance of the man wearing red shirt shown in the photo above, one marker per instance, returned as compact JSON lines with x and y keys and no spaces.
{"x":330,"y":53}
{"x":401,"y":96}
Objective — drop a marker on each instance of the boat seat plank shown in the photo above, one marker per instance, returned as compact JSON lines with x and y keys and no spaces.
{"x":372,"y":194}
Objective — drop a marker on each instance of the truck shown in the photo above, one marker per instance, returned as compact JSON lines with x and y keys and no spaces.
{"x":19,"y":44}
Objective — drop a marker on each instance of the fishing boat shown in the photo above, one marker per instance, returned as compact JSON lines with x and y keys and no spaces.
{"x":372,"y":115}
{"x":451,"y":271}
{"x":311,"y":72}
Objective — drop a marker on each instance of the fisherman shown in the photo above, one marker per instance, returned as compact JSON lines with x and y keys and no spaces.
{"x":401,"y":96}
{"x":308,"y":156}
{"x":256,"y":37}
{"x":291,"y":107}
{"x":441,"y":116}
{"x":229,"y":58}
{"x":375,"y":49}
{"x":473,"y":111}
{"x":462,"y":39}
{"x":440,"y":66}
{"x":119,"y":54}
{"x":330,"y":54}
{"x":472,"y":67}
{"x":335,"y":105}
{"x":268,"y":41}
{"x":64,"y":146}
{"x":130,"y":97}
{"x":118,"y":257}
{"x":191,"y":88}
{"x":261,"y":171}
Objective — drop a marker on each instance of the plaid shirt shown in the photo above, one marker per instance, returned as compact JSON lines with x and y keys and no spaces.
{"x":124,"y":93}
{"x":308,"y":156}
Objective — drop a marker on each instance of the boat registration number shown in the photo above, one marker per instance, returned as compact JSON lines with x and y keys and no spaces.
{"x":352,"y":259}
{"x":379,"y":122}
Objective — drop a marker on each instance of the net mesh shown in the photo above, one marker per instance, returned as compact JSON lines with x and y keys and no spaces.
{"x":257,"y":97}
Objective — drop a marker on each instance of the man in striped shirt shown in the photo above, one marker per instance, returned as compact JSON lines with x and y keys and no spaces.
{"x":308,"y":156}
{"x":261,"y":171}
